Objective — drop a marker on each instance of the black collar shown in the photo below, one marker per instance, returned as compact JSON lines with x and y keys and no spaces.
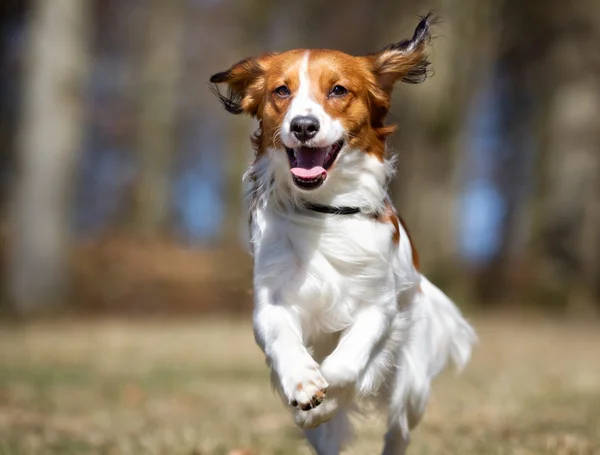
{"x":332,"y":210}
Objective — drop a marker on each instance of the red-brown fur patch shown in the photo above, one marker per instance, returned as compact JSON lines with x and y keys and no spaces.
{"x":413,"y":248}
{"x":390,"y":215}
{"x":330,"y":68}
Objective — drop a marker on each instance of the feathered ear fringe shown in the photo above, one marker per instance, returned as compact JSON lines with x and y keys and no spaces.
{"x":232,"y":101}
{"x":240,"y":79}
{"x":407,"y":59}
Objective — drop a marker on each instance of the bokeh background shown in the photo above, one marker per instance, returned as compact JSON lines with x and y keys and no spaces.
{"x":125,"y":285}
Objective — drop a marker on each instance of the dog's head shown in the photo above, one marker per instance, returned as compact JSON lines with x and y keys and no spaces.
{"x":319,"y":108}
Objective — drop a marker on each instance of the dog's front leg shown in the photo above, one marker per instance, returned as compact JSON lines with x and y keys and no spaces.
{"x":279,"y":335}
{"x":344,"y":367}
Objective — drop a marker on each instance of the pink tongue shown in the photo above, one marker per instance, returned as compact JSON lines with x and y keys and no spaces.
{"x":309,"y":162}
{"x":308,"y":173}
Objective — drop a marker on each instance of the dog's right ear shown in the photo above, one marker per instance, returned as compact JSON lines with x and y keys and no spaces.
{"x":246,"y":85}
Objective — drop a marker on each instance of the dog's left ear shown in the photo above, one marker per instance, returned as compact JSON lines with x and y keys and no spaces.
{"x":245,"y":81}
{"x":406,"y":60}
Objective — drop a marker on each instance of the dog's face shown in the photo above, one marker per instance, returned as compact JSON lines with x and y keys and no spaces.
{"x":315,"y":105}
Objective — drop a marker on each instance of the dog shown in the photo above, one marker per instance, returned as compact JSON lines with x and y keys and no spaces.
{"x":342,"y":312}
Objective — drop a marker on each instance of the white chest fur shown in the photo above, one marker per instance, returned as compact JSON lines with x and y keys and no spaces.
{"x":324,"y":268}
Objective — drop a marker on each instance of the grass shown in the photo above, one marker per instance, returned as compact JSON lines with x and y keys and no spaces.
{"x":201,"y":388}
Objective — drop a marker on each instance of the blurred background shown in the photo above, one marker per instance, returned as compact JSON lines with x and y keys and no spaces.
{"x":121,"y":175}
{"x":120,"y":190}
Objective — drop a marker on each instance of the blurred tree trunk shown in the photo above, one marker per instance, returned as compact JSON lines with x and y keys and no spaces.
{"x":515,"y":79}
{"x":158,"y":95}
{"x":568,"y":206}
{"x":569,"y":244}
{"x":49,"y":137}
{"x":11,"y":23}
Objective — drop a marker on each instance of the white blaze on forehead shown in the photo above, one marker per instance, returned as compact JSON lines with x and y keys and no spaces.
{"x":304,"y":103}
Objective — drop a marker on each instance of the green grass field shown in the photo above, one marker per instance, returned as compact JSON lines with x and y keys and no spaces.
{"x":201,"y":388}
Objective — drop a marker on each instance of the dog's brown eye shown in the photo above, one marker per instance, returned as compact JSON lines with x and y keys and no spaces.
{"x":338,"y":90}
{"x":283,"y":91}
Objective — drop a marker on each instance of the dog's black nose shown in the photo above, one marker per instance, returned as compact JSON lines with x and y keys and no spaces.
{"x":304,"y":127}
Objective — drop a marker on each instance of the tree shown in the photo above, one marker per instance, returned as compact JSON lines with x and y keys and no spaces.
{"x":48,"y":141}
{"x":159,"y":84}
{"x":568,"y":207}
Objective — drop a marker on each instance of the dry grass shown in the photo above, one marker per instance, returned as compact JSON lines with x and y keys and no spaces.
{"x":200,"y":387}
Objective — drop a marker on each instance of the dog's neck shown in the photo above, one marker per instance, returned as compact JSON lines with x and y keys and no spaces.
{"x":357,"y":184}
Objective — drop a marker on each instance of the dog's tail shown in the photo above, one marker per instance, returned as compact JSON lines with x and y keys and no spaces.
{"x":446,"y":334}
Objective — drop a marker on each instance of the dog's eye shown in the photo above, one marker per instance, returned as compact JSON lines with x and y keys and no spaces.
{"x":338,"y":90}
{"x":283,"y":91}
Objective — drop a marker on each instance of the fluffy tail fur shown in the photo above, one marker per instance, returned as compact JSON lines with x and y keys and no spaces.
{"x":448,"y":336}
{"x":439,"y":335}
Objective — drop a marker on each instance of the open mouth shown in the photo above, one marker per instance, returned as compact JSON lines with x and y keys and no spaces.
{"x":309,"y":165}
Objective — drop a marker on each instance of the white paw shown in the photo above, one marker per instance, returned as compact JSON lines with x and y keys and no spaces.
{"x":306,"y":388}
{"x":315,"y":417}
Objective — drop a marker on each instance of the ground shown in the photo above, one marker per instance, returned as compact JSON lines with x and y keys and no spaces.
{"x":200,"y":387}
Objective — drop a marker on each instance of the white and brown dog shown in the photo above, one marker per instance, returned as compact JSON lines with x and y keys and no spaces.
{"x":342,"y":312}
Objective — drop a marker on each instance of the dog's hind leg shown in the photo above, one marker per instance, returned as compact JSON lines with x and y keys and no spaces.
{"x":329,"y":437}
{"x":406,"y":406}
{"x":397,"y":438}
{"x":405,"y":414}
{"x":396,"y":443}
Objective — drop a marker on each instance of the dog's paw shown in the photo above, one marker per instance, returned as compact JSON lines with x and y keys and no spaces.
{"x":305,"y":389}
{"x":315,"y":417}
